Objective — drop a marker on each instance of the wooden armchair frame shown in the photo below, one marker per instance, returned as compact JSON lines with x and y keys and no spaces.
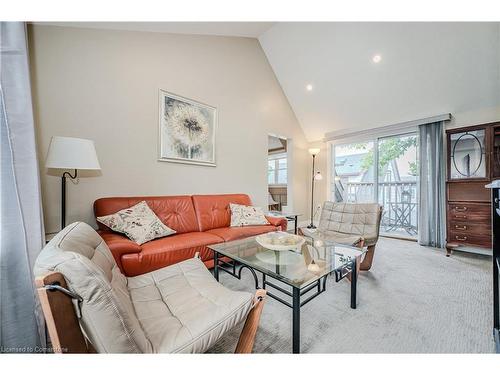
{"x":64,"y":328}
{"x":367,"y":261}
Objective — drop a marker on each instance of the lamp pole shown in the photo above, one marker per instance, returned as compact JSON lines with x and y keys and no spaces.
{"x":311,"y":225}
{"x":315,"y":176}
{"x":63,"y":196}
{"x":70,"y":154}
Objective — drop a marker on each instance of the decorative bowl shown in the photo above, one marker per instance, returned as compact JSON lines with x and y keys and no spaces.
{"x":280,"y":241}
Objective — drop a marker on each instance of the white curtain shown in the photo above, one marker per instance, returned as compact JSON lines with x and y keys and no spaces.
{"x":432,"y":216}
{"x":21,"y":324}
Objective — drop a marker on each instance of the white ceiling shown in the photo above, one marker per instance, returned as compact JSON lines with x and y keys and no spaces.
{"x":426,"y":69}
{"x":240,"y":29}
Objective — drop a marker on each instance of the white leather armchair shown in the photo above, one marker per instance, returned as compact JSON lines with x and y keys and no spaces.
{"x":354,"y":224}
{"x":177,"y":309}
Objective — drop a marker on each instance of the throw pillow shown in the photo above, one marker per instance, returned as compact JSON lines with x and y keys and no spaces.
{"x":246,"y":215}
{"x":139,"y":223}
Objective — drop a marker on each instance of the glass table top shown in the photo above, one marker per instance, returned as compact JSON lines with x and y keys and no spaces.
{"x":282,"y":214}
{"x":299,"y":267}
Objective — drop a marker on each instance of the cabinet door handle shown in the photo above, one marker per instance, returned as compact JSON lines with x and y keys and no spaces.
{"x":460,"y":209}
{"x":463,"y":227}
{"x":464,"y":238}
{"x":460,"y":216}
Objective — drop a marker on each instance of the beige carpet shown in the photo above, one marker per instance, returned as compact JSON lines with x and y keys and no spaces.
{"x":414,"y":300}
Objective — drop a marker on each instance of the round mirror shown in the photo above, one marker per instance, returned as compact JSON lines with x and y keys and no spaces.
{"x":467,"y":155}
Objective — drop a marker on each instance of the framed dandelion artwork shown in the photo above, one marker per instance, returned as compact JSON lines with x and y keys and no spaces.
{"x":187,"y":130}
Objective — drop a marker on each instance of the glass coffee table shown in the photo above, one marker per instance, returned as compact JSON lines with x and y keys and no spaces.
{"x":292,"y":277}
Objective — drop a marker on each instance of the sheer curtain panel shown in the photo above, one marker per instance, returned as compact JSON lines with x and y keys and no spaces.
{"x":21,"y":324}
{"x":432,"y":220}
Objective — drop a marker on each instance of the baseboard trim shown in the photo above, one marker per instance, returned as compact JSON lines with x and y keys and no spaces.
{"x":399,"y":238}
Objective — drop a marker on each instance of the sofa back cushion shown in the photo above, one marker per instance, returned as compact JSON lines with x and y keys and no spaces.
{"x":213,"y":211}
{"x":176,"y":212}
{"x":108,"y":317}
{"x":362,"y":219}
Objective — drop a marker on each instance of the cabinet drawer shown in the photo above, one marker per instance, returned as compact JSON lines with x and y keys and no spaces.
{"x":475,"y":213}
{"x":465,"y":227}
{"x":469,"y":239}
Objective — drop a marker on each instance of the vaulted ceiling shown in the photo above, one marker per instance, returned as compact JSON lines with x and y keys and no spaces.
{"x":423,"y":69}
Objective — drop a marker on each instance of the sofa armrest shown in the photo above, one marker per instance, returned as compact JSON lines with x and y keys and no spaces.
{"x":278,"y":222}
{"x":119,"y":245}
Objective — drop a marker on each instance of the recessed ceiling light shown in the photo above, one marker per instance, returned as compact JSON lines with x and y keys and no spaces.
{"x":376,"y":59}
{"x":309,"y":87}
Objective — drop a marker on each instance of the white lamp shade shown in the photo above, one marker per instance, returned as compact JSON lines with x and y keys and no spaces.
{"x":72,"y":153}
{"x":314,"y":151}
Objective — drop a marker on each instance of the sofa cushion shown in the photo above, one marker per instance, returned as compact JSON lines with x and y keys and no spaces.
{"x":139,"y":223}
{"x":236,"y":233}
{"x":169,"y":250}
{"x":242,"y":216}
{"x":108,"y":316}
{"x":213,"y":211}
{"x":177,"y":212}
{"x":183,"y":309}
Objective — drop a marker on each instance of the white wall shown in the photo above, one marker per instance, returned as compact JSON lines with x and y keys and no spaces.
{"x":103,"y":85}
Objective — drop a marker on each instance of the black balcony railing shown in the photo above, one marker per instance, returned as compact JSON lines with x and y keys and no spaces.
{"x":399,"y":199}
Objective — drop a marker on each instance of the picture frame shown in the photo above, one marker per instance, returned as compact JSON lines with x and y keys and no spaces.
{"x":187,"y":130}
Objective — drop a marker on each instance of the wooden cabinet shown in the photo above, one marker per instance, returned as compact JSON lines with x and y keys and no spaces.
{"x":495,"y":152}
{"x":473,"y":161}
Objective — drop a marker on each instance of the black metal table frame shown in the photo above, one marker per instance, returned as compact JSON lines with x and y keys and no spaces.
{"x":234,"y":268}
{"x":295,"y":219}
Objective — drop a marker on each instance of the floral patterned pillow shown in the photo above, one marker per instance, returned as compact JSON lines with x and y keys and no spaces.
{"x":139,"y":223}
{"x":246,"y":215}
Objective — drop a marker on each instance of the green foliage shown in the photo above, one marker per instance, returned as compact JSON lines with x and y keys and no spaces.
{"x":389,"y":149}
{"x":414,"y":168}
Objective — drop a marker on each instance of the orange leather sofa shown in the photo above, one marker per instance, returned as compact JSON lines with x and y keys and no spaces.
{"x":199,"y":220}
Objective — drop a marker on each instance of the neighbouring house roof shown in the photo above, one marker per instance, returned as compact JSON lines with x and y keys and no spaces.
{"x":349,"y":165}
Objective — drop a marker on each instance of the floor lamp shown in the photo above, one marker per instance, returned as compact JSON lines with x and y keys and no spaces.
{"x":70,"y":154}
{"x":315,"y":176}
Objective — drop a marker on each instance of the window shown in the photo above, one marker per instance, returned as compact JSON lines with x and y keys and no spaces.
{"x":277,"y":170}
{"x":354,"y":177}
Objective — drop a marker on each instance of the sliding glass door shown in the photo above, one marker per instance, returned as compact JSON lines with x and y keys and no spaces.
{"x":398,"y":184}
{"x":393,"y":183}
